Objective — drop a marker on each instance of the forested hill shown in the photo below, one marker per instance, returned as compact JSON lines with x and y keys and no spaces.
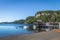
{"x":44,"y":16}
{"x":48,"y":16}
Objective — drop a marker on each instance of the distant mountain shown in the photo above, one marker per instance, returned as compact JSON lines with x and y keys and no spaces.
{"x":19,"y":21}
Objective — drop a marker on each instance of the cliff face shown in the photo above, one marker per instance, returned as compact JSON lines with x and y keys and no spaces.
{"x":48,"y":16}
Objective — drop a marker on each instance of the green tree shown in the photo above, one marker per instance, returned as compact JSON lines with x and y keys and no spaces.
{"x":30,"y":19}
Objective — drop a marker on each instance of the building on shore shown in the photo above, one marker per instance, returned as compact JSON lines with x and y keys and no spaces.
{"x":40,"y":26}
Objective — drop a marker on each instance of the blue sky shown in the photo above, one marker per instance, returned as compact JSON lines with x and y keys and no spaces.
{"x":11,"y":10}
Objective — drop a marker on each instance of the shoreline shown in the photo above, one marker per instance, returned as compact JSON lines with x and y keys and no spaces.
{"x":51,"y":35}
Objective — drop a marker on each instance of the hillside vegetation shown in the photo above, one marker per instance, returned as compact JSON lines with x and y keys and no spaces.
{"x":44,"y":16}
{"x":49,"y":16}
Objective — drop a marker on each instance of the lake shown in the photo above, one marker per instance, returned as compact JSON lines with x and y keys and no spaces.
{"x":12,"y":30}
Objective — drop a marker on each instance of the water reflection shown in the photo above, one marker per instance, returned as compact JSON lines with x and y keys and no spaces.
{"x":12,"y":29}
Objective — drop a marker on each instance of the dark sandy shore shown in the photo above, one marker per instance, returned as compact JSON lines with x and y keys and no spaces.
{"x":51,"y":35}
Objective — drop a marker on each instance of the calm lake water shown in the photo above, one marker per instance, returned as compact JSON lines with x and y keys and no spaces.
{"x":12,"y":29}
